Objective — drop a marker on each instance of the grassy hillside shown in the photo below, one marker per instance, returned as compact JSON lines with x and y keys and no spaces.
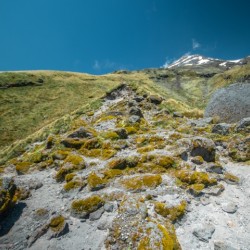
{"x":34,"y":104}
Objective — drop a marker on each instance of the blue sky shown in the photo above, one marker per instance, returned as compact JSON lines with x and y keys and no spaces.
{"x":100,"y":36}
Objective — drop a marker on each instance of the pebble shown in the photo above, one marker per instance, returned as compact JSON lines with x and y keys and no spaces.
{"x":203,"y":231}
{"x":229,"y":207}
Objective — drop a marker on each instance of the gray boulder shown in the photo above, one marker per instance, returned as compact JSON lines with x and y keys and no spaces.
{"x":243,"y":125}
{"x":221,"y":128}
{"x":231,"y":103}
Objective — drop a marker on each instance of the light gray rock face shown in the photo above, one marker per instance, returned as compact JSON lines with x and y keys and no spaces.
{"x":231,"y":104}
{"x":203,"y":231}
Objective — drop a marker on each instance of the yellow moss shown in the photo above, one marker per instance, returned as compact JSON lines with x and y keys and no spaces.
{"x":167,"y":241}
{"x":173,"y":213}
{"x":92,"y":144}
{"x":231,"y":177}
{"x":8,"y":198}
{"x":164,"y":161}
{"x":110,"y":135}
{"x":175,"y":136}
{"x":144,"y":244}
{"x":63,"y":171}
{"x":141,"y":141}
{"x":75,"y":159}
{"x":23,"y":167}
{"x":106,"y":118}
{"x":118,"y":163}
{"x":195,"y":177}
{"x":196,"y":189}
{"x":35,"y":157}
{"x":60,"y":154}
{"x":69,"y":177}
{"x":112,"y":173}
{"x":95,"y":182}
{"x":73,"y":143}
{"x":88,"y":205}
{"x":104,"y":154}
{"x":57,"y":223}
{"x":142,"y":182}
{"x":198,"y":159}
{"x":194,"y":113}
{"x":41,"y":211}
{"x":131,"y":130}
{"x":73,"y":185}
{"x":145,"y":149}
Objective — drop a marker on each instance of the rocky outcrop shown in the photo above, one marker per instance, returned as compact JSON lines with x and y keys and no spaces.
{"x":230,"y":104}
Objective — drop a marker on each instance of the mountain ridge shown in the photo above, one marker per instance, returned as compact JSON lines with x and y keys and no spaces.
{"x":199,"y":60}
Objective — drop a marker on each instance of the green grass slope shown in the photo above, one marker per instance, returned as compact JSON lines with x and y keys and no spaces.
{"x":34,"y":104}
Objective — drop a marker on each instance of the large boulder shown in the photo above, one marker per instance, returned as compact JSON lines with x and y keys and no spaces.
{"x":230,"y":104}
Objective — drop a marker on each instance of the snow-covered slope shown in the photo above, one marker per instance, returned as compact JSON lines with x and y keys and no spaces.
{"x":198,"y":60}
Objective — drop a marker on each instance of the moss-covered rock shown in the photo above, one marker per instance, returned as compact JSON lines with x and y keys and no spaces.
{"x":74,"y":159}
{"x":196,"y":189}
{"x":95,"y":182}
{"x":194,"y":177}
{"x":118,"y":163}
{"x":56,"y":224}
{"x":101,"y":153}
{"x":173,"y":213}
{"x":230,"y":178}
{"x":82,"y":208}
{"x":74,"y":184}
{"x":140,"y":183}
{"x":23,"y":167}
{"x":73,"y":143}
{"x":8,"y":196}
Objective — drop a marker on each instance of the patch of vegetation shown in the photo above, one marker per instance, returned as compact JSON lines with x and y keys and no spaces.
{"x":172,"y":213}
{"x":87,"y":205}
{"x":57,"y":223}
{"x":142,"y":182}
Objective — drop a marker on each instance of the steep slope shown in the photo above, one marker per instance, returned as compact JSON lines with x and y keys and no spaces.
{"x":36,"y":103}
{"x":129,"y":175}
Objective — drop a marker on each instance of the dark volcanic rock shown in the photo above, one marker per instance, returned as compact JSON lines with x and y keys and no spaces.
{"x":155,"y":99}
{"x":221,"y":128}
{"x":135,"y":111}
{"x":230,"y":104}
{"x":80,"y":133}
{"x":203,"y":147}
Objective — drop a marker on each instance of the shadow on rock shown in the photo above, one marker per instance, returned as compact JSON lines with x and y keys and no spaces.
{"x":8,"y":222}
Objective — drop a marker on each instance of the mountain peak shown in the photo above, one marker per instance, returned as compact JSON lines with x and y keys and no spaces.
{"x":199,"y":60}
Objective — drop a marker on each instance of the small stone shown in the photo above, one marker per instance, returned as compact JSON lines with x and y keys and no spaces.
{"x":215,"y":168}
{"x":221,"y":128}
{"x":135,"y":111}
{"x":108,"y":207}
{"x":204,"y":201}
{"x":134,"y":118}
{"x":139,"y":98}
{"x":203,"y":231}
{"x":97,"y":214}
{"x":222,"y":245}
{"x":155,"y":99}
{"x":229,"y":207}
{"x":215,"y":190}
{"x":177,"y":114}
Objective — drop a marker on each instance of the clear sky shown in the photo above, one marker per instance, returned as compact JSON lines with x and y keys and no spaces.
{"x":99,"y":36}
